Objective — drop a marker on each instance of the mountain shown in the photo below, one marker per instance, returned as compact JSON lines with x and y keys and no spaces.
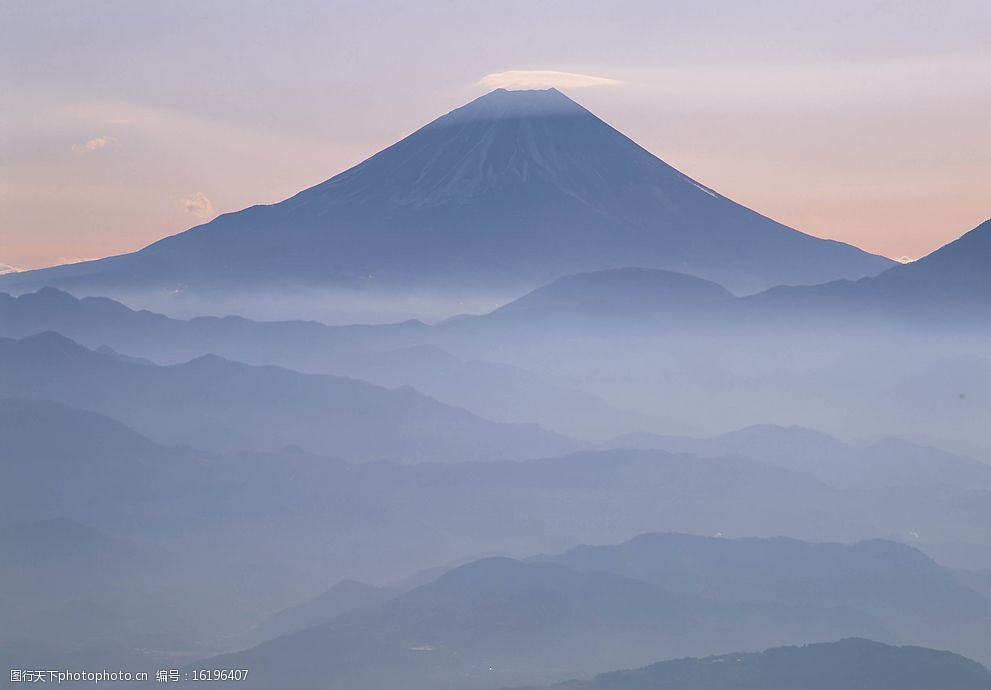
{"x":379,"y":355}
{"x":506,"y":193}
{"x":68,"y":590}
{"x":24,"y":423}
{"x":621,"y":294}
{"x":72,"y":594}
{"x":850,"y":664}
{"x":917,"y":600}
{"x":77,"y":455}
{"x":960,"y":266}
{"x":495,"y":390}
{"x":118,"y":550}
{"x":99,"y":321}
{"x":888,"y":462}
{"x":344,"y":597}
{"x":952,"y":283}
{"x":499,"y":621}
{"x":240,"y":536}
{"x":215,"y":404}
{"x":99,"y":472}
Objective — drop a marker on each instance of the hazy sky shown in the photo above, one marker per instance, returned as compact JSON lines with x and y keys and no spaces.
{"x":123,"y":122}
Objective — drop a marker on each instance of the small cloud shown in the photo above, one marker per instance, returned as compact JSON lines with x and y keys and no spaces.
{"x":94,"y":144}
{"x":199,"y":205}
{"x":543,"y":79}
{"x":904,"y":259}
{"x":5,"y":269}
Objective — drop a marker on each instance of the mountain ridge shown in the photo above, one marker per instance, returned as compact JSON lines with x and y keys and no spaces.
{"x":848,"y":664}
{"x":950,"y":284}
{"x":218,"y":404}
{"x":510,"y":191}
{"x":500,"y":618}
{"x":491,"y":390}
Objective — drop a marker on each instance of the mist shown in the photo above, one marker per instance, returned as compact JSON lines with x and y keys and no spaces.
{"x":511,"y":404}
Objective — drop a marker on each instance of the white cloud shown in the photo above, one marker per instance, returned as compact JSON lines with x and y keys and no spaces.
{"x":199,"y":205}
{"x":5,"y":269}
{"x":94,"y":144}
{"x":542,"y":79}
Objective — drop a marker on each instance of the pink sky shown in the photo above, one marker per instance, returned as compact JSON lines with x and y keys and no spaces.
{"x":124,"y":123}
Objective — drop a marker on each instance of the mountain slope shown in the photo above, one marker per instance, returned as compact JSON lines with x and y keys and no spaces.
{"x":889,"y":462}
{"x":513,"y":190}
{"x":216,"y":404}
{"x":917,"y":600}
{"x":76,"y":594}
{"x":622,"y":294}
{"x":498,"y":621}
{"x":850,"y":664}
{"x":344,"y":597}
{"x":495,"y":391}
{"x":954,"y":282}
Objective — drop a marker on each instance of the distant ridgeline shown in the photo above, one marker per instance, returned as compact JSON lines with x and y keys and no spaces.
{"x":851,"y":664}
{"x":506,"y":193}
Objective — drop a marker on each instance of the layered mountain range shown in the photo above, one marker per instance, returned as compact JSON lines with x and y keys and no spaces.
{"x":500,"y":621}
{"x":217,"y":404}
{"x":359,"y":506}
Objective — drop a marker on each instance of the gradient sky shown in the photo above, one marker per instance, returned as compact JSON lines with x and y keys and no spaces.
{"x":123,"y":121}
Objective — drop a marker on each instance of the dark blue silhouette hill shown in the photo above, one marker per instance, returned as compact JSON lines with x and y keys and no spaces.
{"x":851,"y":664}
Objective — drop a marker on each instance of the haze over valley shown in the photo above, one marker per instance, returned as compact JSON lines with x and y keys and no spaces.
{"x":511,"y":404}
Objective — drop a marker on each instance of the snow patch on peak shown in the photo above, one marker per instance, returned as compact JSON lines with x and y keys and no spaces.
{"x":502,"y":104}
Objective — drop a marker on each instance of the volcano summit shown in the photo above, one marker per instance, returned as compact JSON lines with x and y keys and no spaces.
{"x":511,"y":191}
